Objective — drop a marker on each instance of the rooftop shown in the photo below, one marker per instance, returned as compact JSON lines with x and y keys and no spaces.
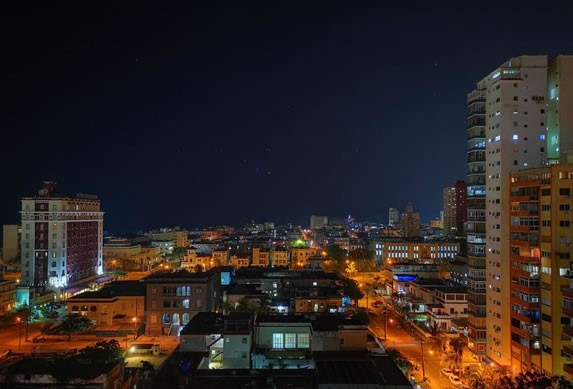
{"x":114,"y":289}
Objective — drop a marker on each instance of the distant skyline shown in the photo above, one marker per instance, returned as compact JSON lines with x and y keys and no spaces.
{"x":206,"y":114}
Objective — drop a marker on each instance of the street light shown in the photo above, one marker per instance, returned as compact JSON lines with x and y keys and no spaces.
{"x":18,"y":320}
{"x":423,"y":368}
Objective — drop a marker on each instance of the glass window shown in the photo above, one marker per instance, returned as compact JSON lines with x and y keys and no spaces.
{"x":290,"y":340}
{"x":303,"y":341}
{"x":278,"y":340}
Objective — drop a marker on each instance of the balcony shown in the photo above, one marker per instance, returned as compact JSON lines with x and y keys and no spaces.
{"x":531,"y":289}
{"x":567,"y":292}
{"x":524,"y":213}
{"x":568,"y":331}
{"x":525,"y":304}
{"x":524,"y":198}
{"x":567,"y":311}
{"x":568,"y":368}
{"x":522,"y":258}
{"x":567,"y":350}
{"x":522,"y":332}
{"x":516,"y":271}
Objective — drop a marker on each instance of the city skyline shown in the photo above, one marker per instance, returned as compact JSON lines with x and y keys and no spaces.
{"x":202,"y":116}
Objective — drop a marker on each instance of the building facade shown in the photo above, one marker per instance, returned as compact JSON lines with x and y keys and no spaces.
{"x":11,"y":241}
{"x":476,"y":226}
{"x":393,"y":217}
{"x":318,"y":222}
{"x":172,"y":299}
{"x":515,"y":132}
{"x":541,"y":267}
{"x":455,"y":208}
{"x":410,"y":223}
{"x":62,"y":238}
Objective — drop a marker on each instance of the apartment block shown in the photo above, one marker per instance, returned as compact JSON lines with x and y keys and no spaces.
{"x":515,"y":139}
{"x":541,"y":255}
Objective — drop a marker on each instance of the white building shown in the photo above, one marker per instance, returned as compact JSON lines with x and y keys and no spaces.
{"x":515,"y":139}
{"x":62,"y":238}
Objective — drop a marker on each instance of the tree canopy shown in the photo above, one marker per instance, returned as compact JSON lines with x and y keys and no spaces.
{"x":75,"y":323}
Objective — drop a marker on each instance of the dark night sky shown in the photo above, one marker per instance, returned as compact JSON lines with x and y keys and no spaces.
{"x":203,"y":113}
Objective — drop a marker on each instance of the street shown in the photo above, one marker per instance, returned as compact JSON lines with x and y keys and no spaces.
{"x":409,"y":346}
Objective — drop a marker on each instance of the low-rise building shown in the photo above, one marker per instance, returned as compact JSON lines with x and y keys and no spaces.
{"x":117,"y":304}
{"x":393,"y":250}
{"x":280,"y":257}
{"x":300,"y":256}
{"x":225,"y":340}
{"x":399,"y":276}
{"x":261,"y":257}
{"x":172,"y":299}
{"x":7,"y":296}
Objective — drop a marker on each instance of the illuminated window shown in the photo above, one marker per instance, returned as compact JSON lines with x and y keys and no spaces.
{"x":278,"y":340}
{"x":290,"y":340}
{"x":303,"y":340}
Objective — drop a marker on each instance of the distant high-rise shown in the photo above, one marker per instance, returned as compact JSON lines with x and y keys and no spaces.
{"x":62,"y":238}
{"x":318,"y":222}
{"x":410,"y":223}
{"x":455,"y":209}
{"x":393,"y":217}
{"x":515,"y":139}
{"x":11,"y":235}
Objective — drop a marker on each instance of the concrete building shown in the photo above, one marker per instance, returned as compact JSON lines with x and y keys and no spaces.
{"x":393,"y":217}
{"x":7,"y":296}
{"x":227,"y":341}
{"x":515,"y":132}
{"x":114,"y":307}
{"x":261,"y":257}
{"x":179,"y":237}
{"x":541,"y":268}
{"x":280,"y":257}
{"x":393,"y":250}
{"x":300,"y":256}
{"x":318,"y":222}
{"x":475,"y":226}
{"x":172,"y":299}
{"x":62,"y":238}
{"x":410,"y":223}
{"x":559,"y":116}
{"x":455,"y":208}
{"x":11,"y":240}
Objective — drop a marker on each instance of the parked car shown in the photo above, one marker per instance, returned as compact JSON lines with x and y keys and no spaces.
{"x":447,"y":372}
{"x":455,"y":380}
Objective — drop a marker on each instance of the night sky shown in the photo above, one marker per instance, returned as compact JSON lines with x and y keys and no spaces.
{"x":206,"y":113}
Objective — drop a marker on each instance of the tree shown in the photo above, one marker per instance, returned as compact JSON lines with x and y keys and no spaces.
{"x":242,"y":305}
{"x":102,"y":352}
{"x":352,"y":290}
{"x":75,"y":323}
{"x":263,"y":306}
{"x":335,"y":252}
{"x":362,"y":254}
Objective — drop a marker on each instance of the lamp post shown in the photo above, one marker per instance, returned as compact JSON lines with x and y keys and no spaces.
{"x":423,"y":368}
{"x":19,"y":321}
{"x":134,"y":328}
